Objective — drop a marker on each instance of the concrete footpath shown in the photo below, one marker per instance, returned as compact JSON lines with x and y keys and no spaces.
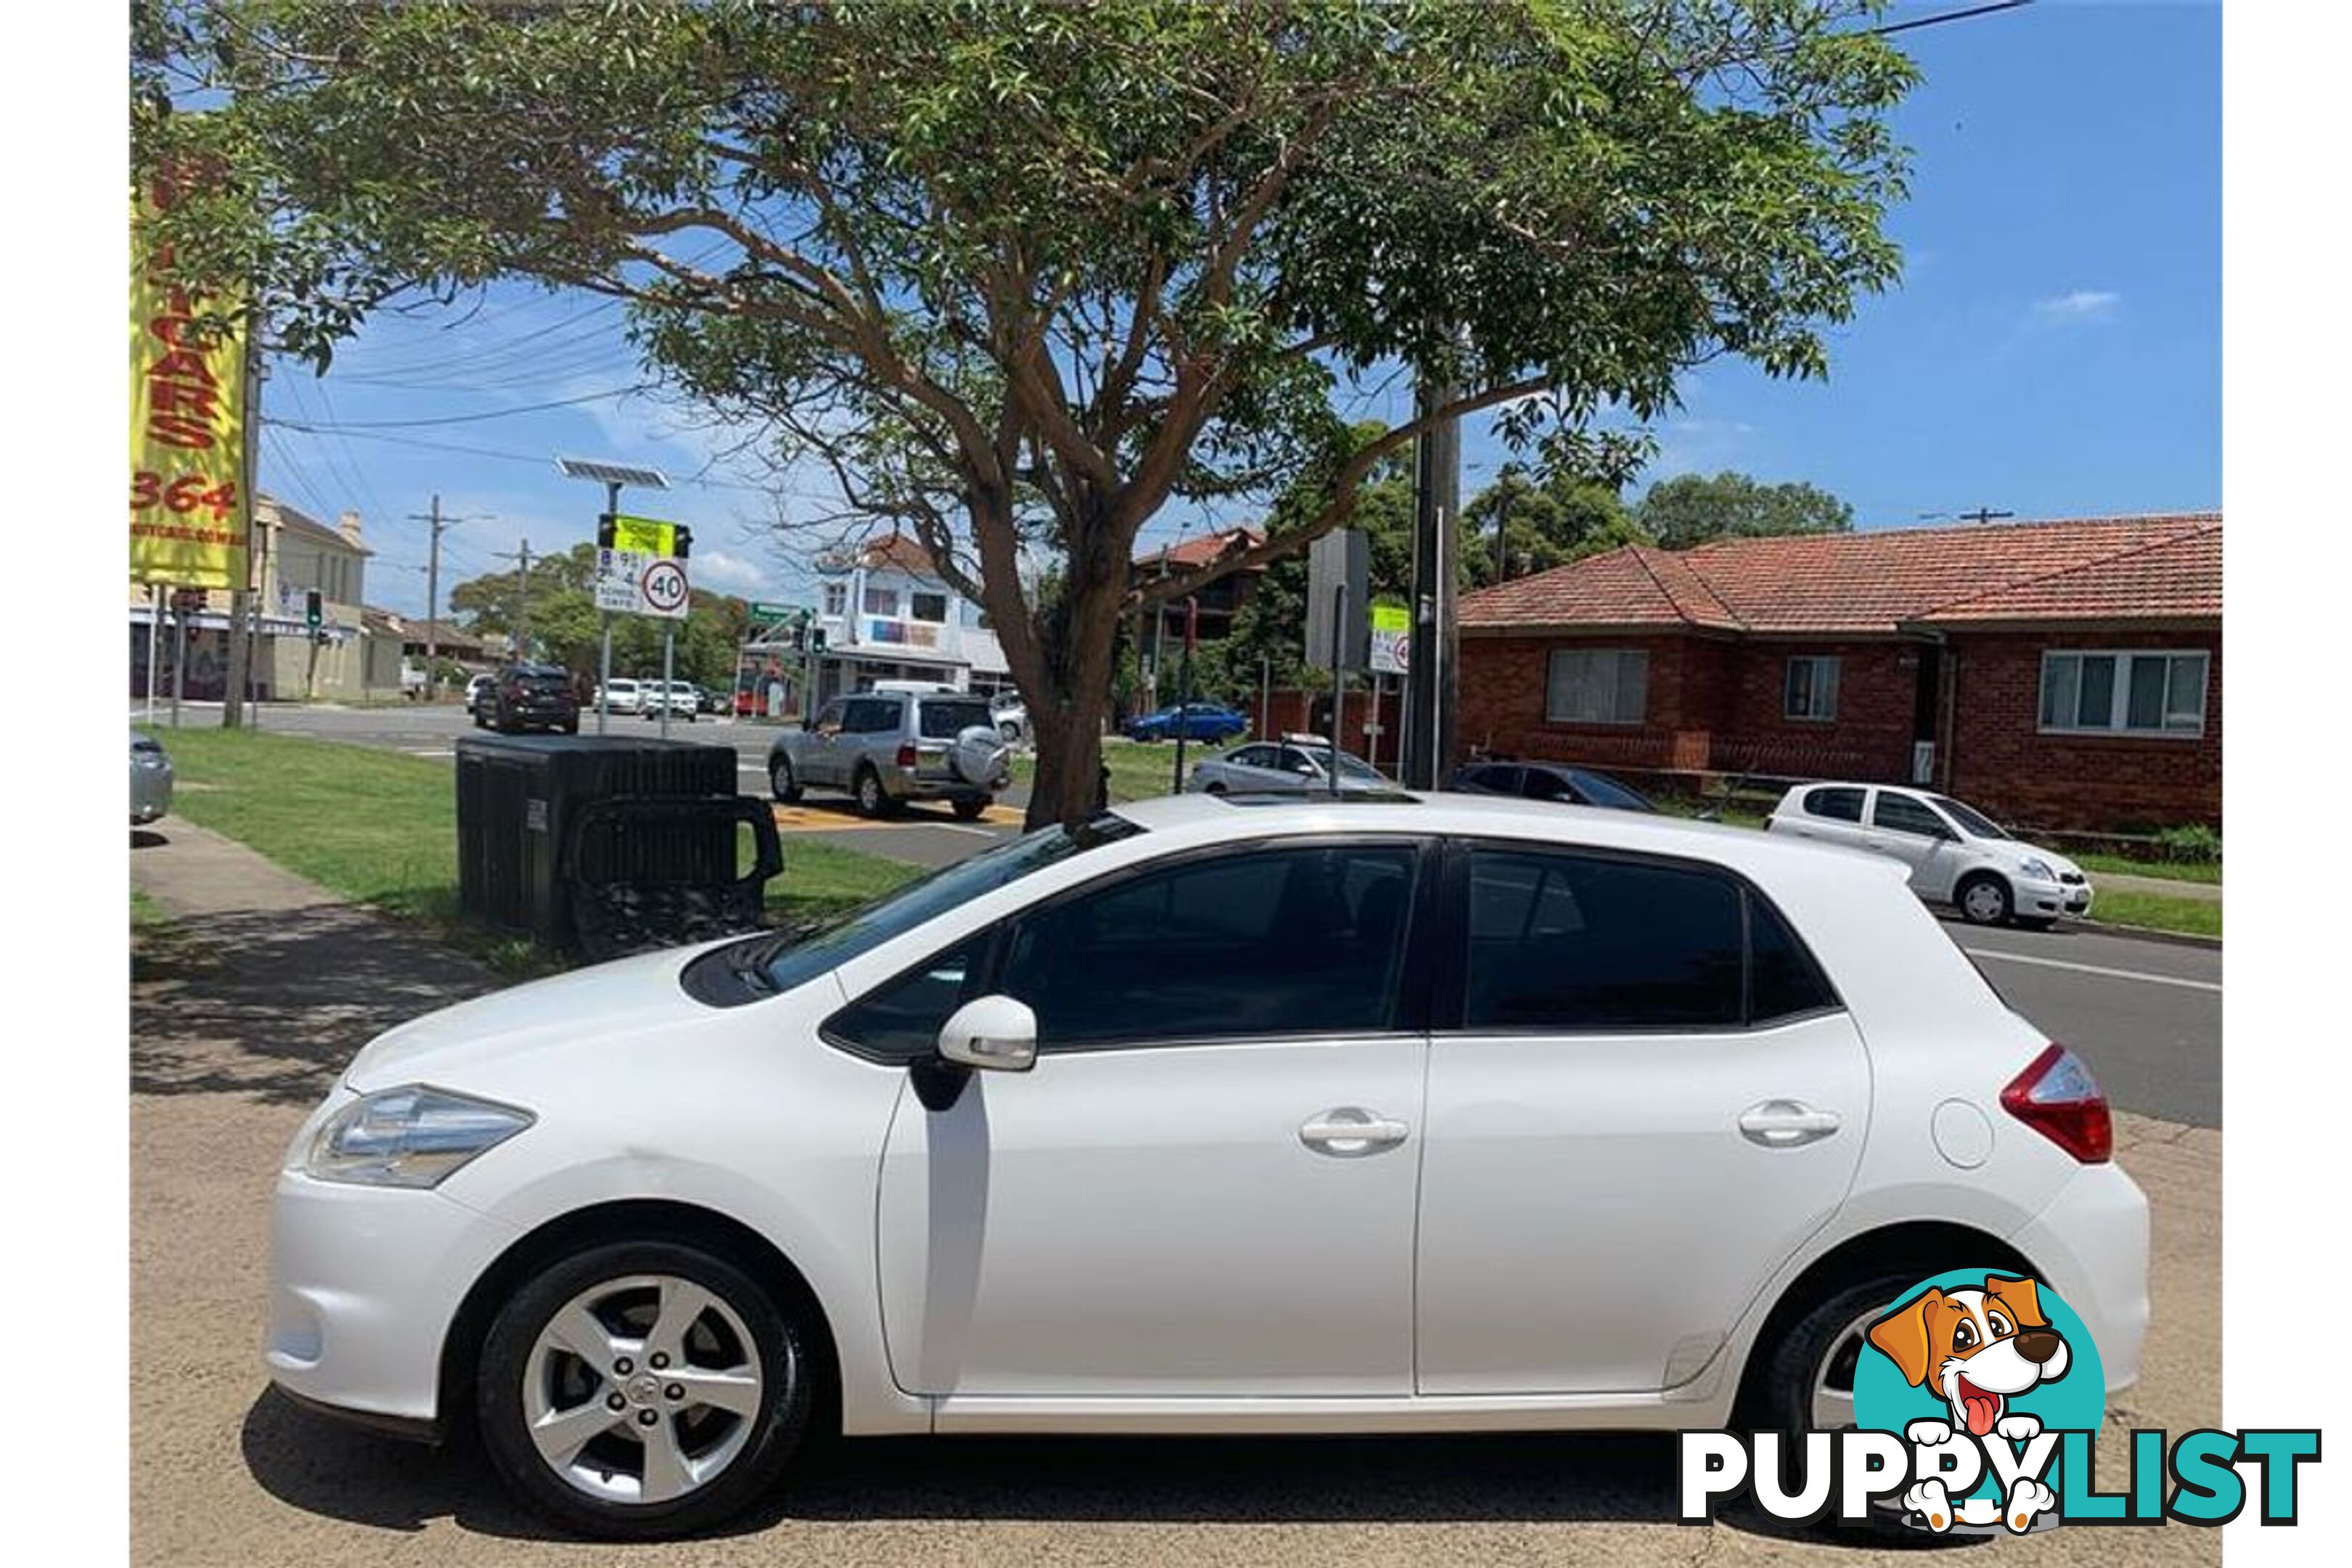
{"x":245,"y":1010}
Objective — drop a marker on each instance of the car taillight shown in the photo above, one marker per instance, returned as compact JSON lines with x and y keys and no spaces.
{"x":2058,"y":1098}
{"x":906,"y":754}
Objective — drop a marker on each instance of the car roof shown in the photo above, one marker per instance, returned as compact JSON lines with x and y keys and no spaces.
{"x":1210,"y":817}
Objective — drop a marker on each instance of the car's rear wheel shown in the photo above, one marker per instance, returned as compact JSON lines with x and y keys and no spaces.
{"x":783,"y":781}
{"x":1983,"y":900}
{"x":1808,"y":1375}
{"x":642,"y":1389}
{"x":968,"y":810}
{"x":869,"y":788}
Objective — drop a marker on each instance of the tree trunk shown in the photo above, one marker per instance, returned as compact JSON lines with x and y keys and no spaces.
{"x":1068,"y":786}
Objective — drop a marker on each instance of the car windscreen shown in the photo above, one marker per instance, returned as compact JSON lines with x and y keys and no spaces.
{"x":1973,"y":823}
{"x":1350,"y":766}
{"x":945,"y":720}
{"x":1608,"y":792}
{"x":784,"y":962}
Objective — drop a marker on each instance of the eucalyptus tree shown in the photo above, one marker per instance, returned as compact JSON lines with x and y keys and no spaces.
{"x":1017,"y":276}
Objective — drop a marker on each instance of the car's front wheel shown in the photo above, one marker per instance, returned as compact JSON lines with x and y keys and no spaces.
{"x":1983,"y":900}
{"x":642,"y":1389}
{"x":783,"y":781}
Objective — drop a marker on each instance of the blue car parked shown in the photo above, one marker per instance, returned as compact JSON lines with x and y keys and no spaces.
{"x":1211,"y":722}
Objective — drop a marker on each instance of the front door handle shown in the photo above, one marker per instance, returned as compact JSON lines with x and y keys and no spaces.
{"x":1786,"y":1123}
{"x":1351,"y":1129}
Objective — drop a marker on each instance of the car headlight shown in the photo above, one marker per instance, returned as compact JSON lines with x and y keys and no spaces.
{"x":2038,"y":868}
{"x":409,"y":1137}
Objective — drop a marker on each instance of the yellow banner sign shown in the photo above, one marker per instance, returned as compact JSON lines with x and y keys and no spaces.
{"x":645,"y":535}
{"x":190,"y":518}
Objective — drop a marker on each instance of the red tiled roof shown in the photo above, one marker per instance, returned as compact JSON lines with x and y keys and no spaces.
{"x":898,"y":549}
{"x":2076,"y":569}
{"x":1201,"y":551}
{"x":2174,"y":578}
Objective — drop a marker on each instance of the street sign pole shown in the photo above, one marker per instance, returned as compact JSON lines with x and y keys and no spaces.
{"x":179,"y":661}
{"x":1339,"y":674}
{"x":1184,"y":687}
{"x":604,"y":667}
{"x":155,"y":646}
{"x":669,"y":639}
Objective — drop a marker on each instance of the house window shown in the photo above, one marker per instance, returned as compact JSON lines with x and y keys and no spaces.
{"x":1813,"y":686}
{"x":931,"y":608}
{"x":2140,"y":693}
{"x":881,"y":601}
{"x":1597,"y":686}
{"x":836,"y":598}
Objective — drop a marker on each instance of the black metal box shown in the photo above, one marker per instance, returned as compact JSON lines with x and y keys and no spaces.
{"x":519,"y":797}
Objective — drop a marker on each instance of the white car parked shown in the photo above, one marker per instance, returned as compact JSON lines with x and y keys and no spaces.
{"x":1429,"y":1114}
{"x":1957,"y":856}
{"x":621,"y":695}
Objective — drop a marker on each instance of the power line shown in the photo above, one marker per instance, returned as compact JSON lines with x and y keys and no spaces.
{"x":359,"y":424}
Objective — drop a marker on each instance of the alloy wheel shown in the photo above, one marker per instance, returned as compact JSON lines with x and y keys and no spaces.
{"x":1831,"y":1394}
{"x":642,"y":1389}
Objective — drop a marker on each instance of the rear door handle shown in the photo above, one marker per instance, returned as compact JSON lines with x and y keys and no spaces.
{"x":1786,"y":1123}
{"x":1351,"y":1129}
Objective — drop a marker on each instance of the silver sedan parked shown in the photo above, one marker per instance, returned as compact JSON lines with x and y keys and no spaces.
{"x":1293,"y":764}
{"x":151,"y":779}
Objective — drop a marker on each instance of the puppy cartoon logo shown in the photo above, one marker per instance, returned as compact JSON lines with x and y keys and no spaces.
{"x":1977,"y":1349}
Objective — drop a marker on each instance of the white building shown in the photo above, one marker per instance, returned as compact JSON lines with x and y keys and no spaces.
{"x":888,"y":615}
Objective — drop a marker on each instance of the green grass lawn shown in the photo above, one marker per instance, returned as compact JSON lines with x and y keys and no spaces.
{"x":2155,"y":911}
{"x":2209,"y":871}
{"x":1139,"y":770}
{"x":381,"y":829}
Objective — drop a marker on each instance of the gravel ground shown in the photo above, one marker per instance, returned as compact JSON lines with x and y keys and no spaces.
{"x":234,"y":1037}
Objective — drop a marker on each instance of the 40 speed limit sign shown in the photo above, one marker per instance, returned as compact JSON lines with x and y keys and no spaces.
{"x":663,"y":588}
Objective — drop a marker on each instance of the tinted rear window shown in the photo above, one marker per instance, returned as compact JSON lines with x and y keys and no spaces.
{"x":1843,"y":804}
{"x":945,"y":720}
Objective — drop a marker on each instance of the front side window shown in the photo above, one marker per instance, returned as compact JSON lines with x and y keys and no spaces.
{"x":1261,"y":944}
{"x":2138,"y":693}
{"x":1837,"y":805}
{"x":1253,"y":757}
{"x":1901,"y":813}
{"x":1563,"y":943}
{"x":1812,"y":686}
{"x":1597,"y":686}
{"x":901,"y":1018}
{"x":795,"y":958}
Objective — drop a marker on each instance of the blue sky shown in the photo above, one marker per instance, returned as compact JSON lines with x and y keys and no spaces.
{"x":2052,"y":349}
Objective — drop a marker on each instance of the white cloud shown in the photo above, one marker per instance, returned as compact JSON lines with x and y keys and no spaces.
{"x":2082,"y":305}
{"x":729,"y":574}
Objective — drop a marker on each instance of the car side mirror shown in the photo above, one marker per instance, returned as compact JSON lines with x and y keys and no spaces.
{"x":996,"y":1034}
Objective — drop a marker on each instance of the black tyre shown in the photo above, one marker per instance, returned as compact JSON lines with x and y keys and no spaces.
{"x":1806,"y":1380}
{"x":2039,"y":922}
{"x":871,"y":800}
{"x":782,"y":781}
{"x":1983,"y":900}
{"x":641,"y":1390}
{"x":968,"y":810}
{"x":571,"y":726}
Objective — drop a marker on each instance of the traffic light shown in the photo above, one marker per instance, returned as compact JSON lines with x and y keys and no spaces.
{"x":817,"y":639}
{"x":799,"y":637}
{"x":314,"y":609}
{"x":605,"y":531}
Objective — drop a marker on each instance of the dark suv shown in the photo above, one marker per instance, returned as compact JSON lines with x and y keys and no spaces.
{"x":524,"y":695}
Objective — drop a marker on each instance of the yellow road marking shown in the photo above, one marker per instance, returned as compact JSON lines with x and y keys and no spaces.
{"x":829,"y":816}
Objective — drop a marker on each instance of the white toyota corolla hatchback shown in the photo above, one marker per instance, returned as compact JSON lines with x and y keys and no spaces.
{"x":1211,"y":1115}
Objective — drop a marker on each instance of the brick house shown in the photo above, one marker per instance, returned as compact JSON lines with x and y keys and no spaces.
{"x":2063,"y":674}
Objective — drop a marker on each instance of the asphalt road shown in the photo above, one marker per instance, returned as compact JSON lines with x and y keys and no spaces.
{"x":2145,"y":1015}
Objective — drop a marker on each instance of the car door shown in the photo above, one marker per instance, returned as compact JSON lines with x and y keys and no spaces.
{"x":1204,"y":1186}
{"x":1831,"y":813}
{"x":821,"y":754}
{"x":1489,"y":778}
{"x":1636,"y":1113}
{"x":1909,"y":829}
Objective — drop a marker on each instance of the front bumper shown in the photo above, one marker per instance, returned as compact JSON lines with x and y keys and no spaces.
{"x":364,"y":1285}
{"x":2090,"y":1245}
{"x":2043,"y":900}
